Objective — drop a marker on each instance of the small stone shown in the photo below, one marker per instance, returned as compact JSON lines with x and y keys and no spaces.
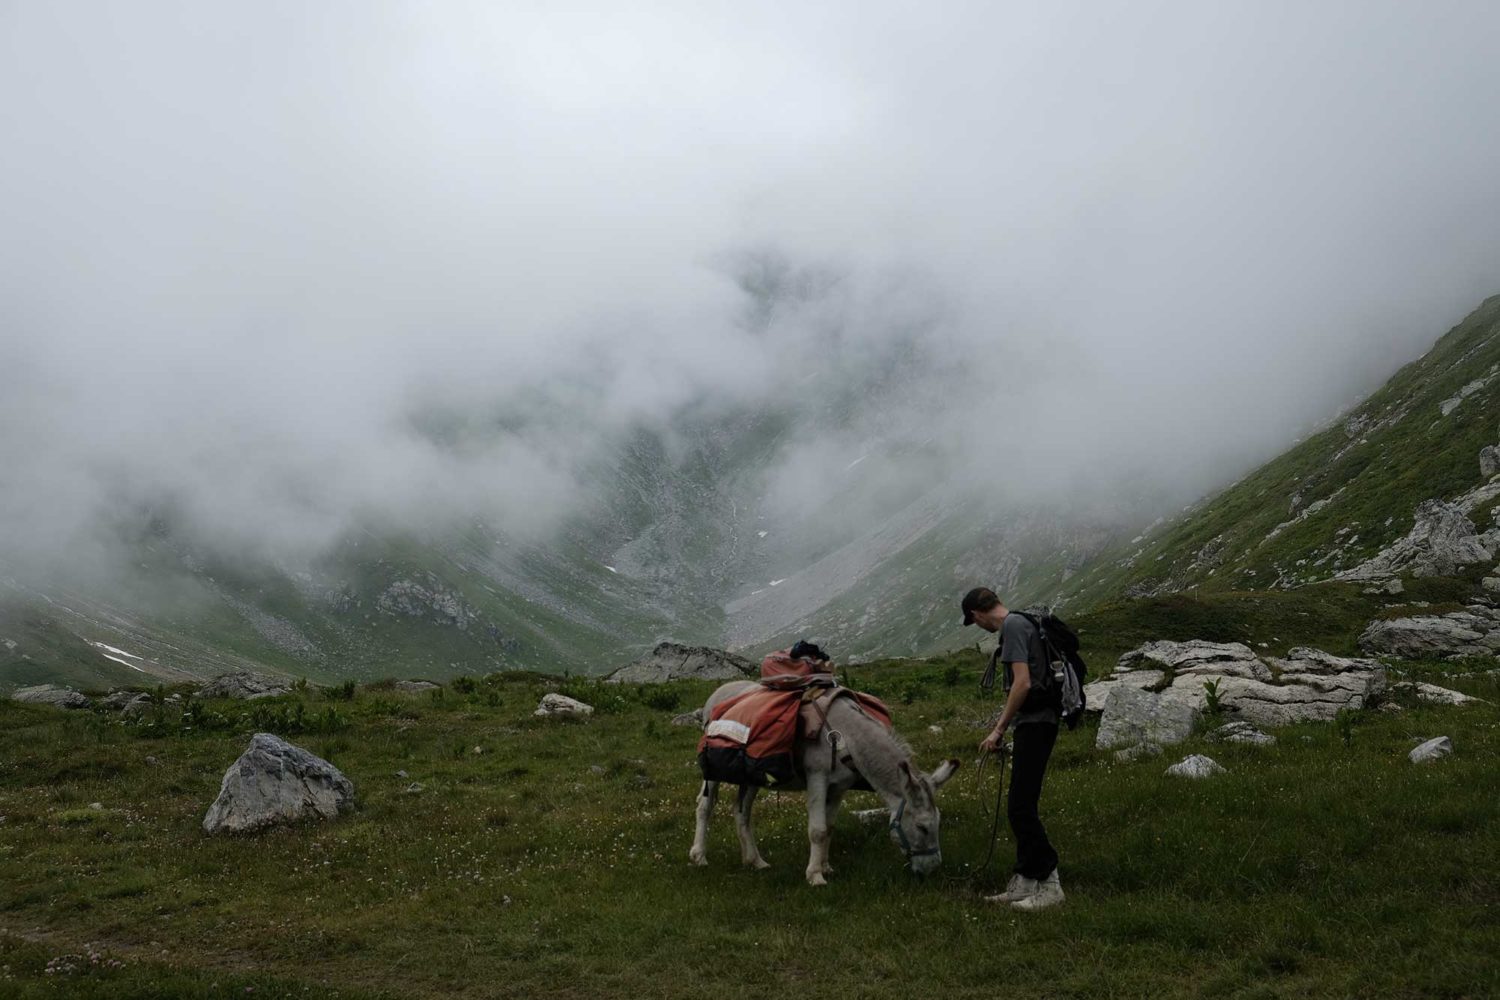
{"x":693,"y":718}
{"x":1391,"y":708}
{"x":402,"y":773}
{"x":1242,"y":732}
{"x":152,"y":761}
{"x":96,"y":805}
{"x":871,"y":816}
{"x":414,"y":788}
{"x":1434,"y":749}
{"x":596,"y":769}
{"x":477,"y":751}
{"x":934,"y":729}
{"x":1138,"y":752}
{"x":1195,"y":766}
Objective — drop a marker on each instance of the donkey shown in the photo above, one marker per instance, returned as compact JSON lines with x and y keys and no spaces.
{"x":864,"y":748}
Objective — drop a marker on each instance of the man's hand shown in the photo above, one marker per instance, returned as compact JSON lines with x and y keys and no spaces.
{"x":991,"y":743}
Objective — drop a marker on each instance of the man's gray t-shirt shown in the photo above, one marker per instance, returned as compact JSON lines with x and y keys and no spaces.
{"x":1020,"y":643}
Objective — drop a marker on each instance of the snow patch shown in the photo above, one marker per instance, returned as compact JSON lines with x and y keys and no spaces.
{"x":132,"y":666}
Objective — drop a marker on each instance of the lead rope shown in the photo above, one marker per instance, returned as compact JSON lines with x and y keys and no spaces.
{"x":989,"y":855}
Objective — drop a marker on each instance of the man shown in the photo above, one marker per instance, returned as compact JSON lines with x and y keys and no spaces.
{"x":1031,"y":708}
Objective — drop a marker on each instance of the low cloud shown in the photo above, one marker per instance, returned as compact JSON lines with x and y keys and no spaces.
{"x":289,"y":270}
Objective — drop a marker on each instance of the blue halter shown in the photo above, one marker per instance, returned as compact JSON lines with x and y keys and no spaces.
{"x":901,"y":835}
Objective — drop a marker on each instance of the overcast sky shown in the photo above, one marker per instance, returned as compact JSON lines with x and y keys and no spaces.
{"x":240,"y":244}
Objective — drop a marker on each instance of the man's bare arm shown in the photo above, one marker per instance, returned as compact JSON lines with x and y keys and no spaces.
{"x":1020,"y":685}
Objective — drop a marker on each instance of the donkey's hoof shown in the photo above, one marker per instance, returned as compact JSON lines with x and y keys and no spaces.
{"x":759,"y":864}
{"x":697,"y":857}
{"x":816,"y":878}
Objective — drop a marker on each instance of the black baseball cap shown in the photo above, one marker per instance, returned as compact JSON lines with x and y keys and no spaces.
{"x":978,"y":599}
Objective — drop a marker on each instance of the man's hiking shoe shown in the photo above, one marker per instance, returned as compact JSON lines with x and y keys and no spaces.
{"x":1019,"y":888}
{"x":1049,"y":893}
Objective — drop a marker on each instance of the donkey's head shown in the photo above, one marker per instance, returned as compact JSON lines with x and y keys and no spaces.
{"x":914,"y":822}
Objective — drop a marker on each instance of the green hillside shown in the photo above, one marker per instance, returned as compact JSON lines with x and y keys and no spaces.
{"x":1336,"y":498}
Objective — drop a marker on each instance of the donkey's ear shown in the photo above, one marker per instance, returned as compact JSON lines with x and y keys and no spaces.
{"x":906,"y":774}
{"x":945,"y":771}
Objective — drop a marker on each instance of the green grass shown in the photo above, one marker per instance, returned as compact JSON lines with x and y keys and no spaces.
{"x":549,"y":859}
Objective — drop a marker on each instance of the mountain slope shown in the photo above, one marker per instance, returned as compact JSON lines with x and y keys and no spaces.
{"x":1337,"y":498}
{"x":688,"y":537}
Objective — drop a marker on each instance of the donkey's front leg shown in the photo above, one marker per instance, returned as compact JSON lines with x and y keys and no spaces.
{"x":817,"y":827}
{"x":744,"y":825}
{"x":707,"y":795}
{"x":830,"y":819}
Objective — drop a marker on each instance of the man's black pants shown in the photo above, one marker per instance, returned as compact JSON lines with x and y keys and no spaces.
{"x":1035,"y":857}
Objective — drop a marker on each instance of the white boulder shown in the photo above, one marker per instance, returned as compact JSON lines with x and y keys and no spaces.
{"x":1134,"y":716}
{"x":51,"y":694}
{"x":275,"y":782}
{"x":560,"y":706}
{"x":1195,"y":766}
{"x":1434,"y":749}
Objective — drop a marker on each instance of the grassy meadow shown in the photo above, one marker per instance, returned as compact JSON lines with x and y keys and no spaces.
{"x":544,"y":858}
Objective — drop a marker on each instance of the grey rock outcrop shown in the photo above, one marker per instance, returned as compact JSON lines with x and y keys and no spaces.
{"x":243,"y":685}
{"x":416,"y":686}
{"x":1195,"y":766}
{"x":428,"y":599}
{"x":1474,"y":631}
{"x":275,"y":782}
{"x":693,"y":718}
{"x":116,"y":700}
{"x":560,"y":706}
{"x":1242,"y":732}
{"x":1160,"y":690}
{"x":1442,"y":540}
{"x":126,"y":702}
{"x":51,"y":694}
{"x":1434,"y":749}
{"x":671,"y":661}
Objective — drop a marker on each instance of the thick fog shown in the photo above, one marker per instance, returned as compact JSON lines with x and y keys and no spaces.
{"x":253,"y":254}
